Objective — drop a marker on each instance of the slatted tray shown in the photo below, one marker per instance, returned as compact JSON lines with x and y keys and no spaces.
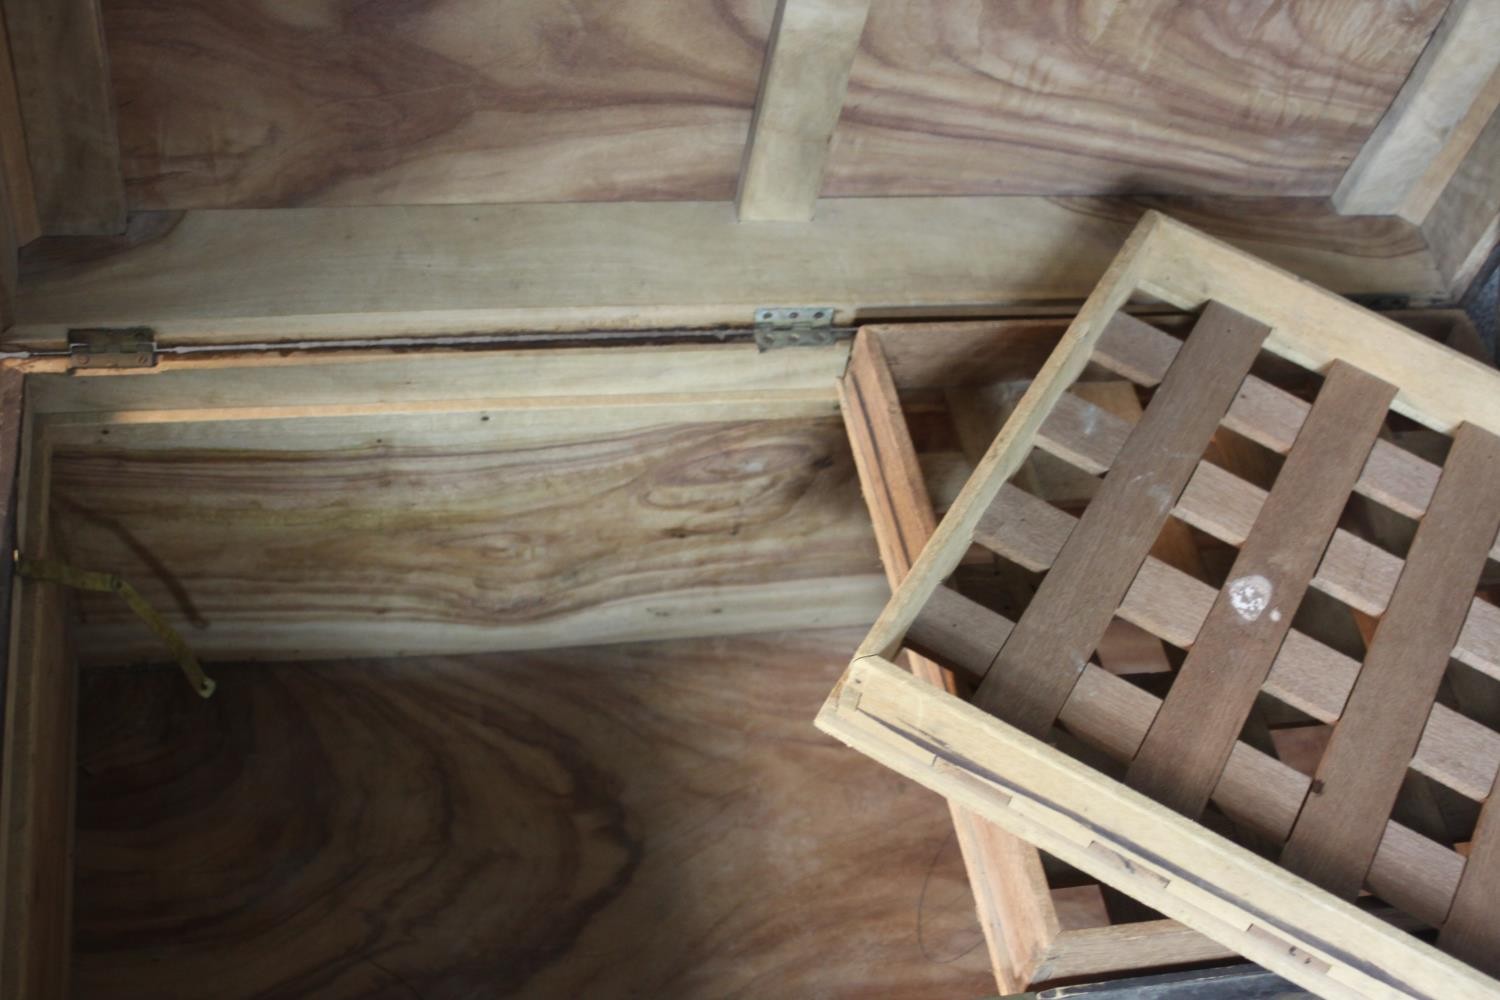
{"x":1324,"y":838}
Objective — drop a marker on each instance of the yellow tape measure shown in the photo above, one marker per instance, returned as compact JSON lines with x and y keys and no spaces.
{"x":51,"y":571}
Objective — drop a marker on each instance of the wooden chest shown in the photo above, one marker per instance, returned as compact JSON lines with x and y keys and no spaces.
{"x":409,"y":361}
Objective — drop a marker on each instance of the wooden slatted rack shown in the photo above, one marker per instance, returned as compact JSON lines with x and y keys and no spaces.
{"x":1241,"y":639}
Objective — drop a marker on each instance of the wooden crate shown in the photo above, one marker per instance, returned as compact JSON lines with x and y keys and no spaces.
{"x":1005,"y":775}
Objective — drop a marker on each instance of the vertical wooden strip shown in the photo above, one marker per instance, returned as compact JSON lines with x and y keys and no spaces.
{"x":1201,"y":718}
{"x":1463,"y":227}
{"x":1037,"y":667}
{"x":1005,"y":873}
{"x":1373,"y":742}
{"x":802,"y":88}
{"x":67,"y":102}
{"x":15,"y":169}
{"x":1472,"y":931}
{"x":1449,"y":75}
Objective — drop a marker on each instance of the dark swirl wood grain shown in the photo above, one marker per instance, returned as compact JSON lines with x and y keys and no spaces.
{"x":352,"y":536}
{"x":647,"y":820}
{"x":358,"y":102}
{"x":1103,"y":97}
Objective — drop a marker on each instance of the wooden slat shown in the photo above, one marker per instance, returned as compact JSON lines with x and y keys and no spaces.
{"x":62,"y":73}
{"x":1171,"y":604}
{"x":14,"y":166}
{"x":1060,"y":629}
{"x":1455,"y":65}
{"x":233,"y":276}
{"x":1464,"y":225}
{"x":1270,"y":416}
{"x":1340,"y":826}
{"x":1168,"y":862}
{"x":1471,"y":931}
{"x":1005,"y":873}
{"x":1256,"y":790}
{"x":1107,"y":952}
{"x":802,"y":88}
{"x":1180,"y":761}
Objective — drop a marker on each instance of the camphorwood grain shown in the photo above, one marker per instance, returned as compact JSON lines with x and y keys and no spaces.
{"x":1204,"y":712}
{"x":1048,"y":97}
{"x":282,"y":104}
{"x":1035,"y":670}
{"x":654,"y":819}
{"x":1374,"y":739}
{"x":801,"y":93}
{"x":465,"y":532}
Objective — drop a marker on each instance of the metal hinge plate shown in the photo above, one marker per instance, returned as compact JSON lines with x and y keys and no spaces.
{"x":793,"y":326}
{"x":130,"y":347}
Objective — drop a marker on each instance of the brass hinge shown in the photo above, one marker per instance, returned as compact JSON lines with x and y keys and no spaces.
{"x":128,"y":347}
{"x":794,"y":326}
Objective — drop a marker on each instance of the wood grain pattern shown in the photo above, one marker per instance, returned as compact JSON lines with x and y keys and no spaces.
{"x":1005,"y":874}
{"x":1373,"y":741}
{"x":1308,"y":675}
{"x":801,"y":94}
{"x":281,"y":103}
{"x":1453,"y":68}
{"x":644,"y":820}
{"x":1059,"y":631}
{"x":234,"y":276}
{"x":370,"y":535}
{"x":1471,"y":931}
{"x":1184,"y":753}
{"x":62,"y":76}
{"x":1043,"y":96}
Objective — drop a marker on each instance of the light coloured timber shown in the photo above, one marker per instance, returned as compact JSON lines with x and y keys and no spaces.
{"x":1130,"y":842}
{"x":1005,"y":874}
{"x":802,"y":88}
{"x":245,"y":276}
{"x":1310,"y":327}
{"x":1450,"y":75}
{"x":1463,"y":227}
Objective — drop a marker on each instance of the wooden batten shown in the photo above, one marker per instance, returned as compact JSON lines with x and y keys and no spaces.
{"x":237,"y":276}
{"x":802,"y":88}
{"x":68,"y":103}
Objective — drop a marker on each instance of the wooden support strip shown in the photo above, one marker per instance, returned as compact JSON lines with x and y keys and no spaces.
{"x":802,"y":87}
{"x":1447,"y":78}
{"x":1061,"y":628}
{"x":1373,"y":742}
{"x":1471,"y":932}
{"x":1270,"y":416}
{"x":229,"y":277}
{"x":62,"y":74}
{"x":1168,"y":603}
{"x":1005,"y":873}
{"x":1464,"y":225}
{"x":1123,"y":838}
{"x":15,"y":169}
{"x":1184,"y":753}
{"x":1110,"y":951}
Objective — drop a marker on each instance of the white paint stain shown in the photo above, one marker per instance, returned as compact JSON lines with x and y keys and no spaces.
{"x":1251,"y":595}
{"x":1275,"y":615}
